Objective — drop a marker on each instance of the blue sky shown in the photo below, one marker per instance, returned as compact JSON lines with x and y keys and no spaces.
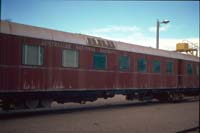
{"x":130,"y":21}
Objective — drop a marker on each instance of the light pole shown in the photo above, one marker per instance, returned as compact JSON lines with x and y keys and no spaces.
{"x":157,"y":31}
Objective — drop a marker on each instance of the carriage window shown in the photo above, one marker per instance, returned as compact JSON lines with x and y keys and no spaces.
{"x":156,"y":66}
{"x":124,"y":63}
{"x":70,"y":58}
{"x":99,"y":61}
{"x":141,"y":65}
{"x":197,"y":69}
{"x":189,"y":68}
{"x":32,"y":55}
{"x":170,"y":67}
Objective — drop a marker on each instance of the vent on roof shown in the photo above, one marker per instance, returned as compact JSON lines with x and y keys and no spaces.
{"x":92,"y":41}
{"x":100,"y":43}
{"x":111,"y":44}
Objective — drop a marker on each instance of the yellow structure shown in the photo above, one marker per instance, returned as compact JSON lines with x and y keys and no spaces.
{"x":182,"y":46}
{"x":187,"y":47}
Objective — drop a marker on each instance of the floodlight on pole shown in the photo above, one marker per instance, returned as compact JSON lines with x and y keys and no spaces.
{"x":157,"y":31}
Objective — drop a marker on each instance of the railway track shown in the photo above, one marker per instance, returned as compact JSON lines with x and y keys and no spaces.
{"x":78,"y":108}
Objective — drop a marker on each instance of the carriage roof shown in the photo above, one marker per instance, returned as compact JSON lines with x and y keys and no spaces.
{"x":49,"y":34}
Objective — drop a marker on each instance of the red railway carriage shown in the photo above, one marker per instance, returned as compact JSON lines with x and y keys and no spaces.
{"x":40,"y":65}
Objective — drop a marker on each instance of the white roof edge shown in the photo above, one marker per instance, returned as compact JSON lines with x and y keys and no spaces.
{"x":49,"y":34}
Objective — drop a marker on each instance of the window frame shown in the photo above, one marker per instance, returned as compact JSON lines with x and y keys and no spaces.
{"x":106,"y":61}
{"x":188,"y":70}
{"x":78,"y":58}
{"x":154,"y":62}
{"x":145,"y":63}
{"x":129,"y":63}
{"x":171,"y":63}
{"x":40,"y":61}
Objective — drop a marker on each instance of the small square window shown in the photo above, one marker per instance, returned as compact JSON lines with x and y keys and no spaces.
{"x":70,"y":58}
{"x":141,"y":65}
{"x":156,"y":66}
{"x":32,"y":55}
{"x":124,"y":63}
{"x":99,"y":61}
{"x":189,"y":68}
{"x":169,"y":67}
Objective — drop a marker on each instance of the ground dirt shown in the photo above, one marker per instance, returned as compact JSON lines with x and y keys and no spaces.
{"x":109,"y":116}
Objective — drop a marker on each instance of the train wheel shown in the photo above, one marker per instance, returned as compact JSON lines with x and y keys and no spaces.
{"x":175,"y":97}
{"x":171,"y":97}
{"x":5,"y":106}
{"x":181,"y":97}
{"x":163,"y":97}
{"x":82,"y":102}
{"x":31,"y":104}
{"x":20,"y":105}
{"x":45,"y":103}
{"x":129,"y":97}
